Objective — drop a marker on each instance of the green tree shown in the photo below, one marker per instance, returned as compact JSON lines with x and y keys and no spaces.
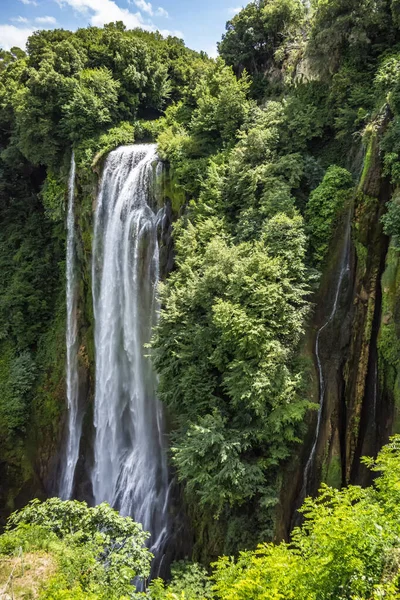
{"x":232,"y":316}
{"x":92,"y":104}
{"x":257,"y":33}
{"x":349,"y":30}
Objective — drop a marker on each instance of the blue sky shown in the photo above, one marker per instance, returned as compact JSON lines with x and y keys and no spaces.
{"x":199,"y":22}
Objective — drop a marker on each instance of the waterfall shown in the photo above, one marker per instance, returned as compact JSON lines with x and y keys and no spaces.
{"x":130,"y":468}
{"x":74,"y":423}
{"x":343,"y":271}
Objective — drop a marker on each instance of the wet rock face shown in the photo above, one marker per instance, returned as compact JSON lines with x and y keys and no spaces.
{"x":350,"y":353}
{"x":325,"y":348}
{"x":362,"y":424}
{"x":359,"y":409}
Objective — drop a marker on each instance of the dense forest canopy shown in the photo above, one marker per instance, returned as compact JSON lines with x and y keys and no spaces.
{"x":268,"y":149}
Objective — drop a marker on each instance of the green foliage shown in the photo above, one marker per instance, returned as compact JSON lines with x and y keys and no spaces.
{"x":346,"y":548}
{"x":391,"y":219}
{"x":387,"y":86}
{"x":233,"y":310}
{"x":391,"y":146}
{"x":232,"y":316}
{"x":387,"y":77}
{"x":244,"y":187}
{"x":58,"y":589}
{"x":72,"y":86}
{"x":92,"y":104}
{"x":17,"y":392}
{"x":210,"y":123}
{"x":53,"y":197}
{"x":28,"y":537}
{"x":96,"y":549}
{"x":351,"y":100}
{"x":221,"y":108}
{"x":388,"y":339}
{"x":240,"y":176}
{"x":30,"y":256}
{"x":349,"y":30}
{"x":257,"y":36}
{"x":324,"y":207}
{"x":206,"y":122}
{"x":92,"y":150}
{"x":189,"y":581}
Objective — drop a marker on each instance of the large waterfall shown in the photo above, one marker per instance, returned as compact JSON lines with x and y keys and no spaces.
{"x":130,"y":469}
{"x":74,"y":427}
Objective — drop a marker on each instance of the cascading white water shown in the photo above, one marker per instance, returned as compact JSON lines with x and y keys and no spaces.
{"x":130,"y":469}
{"x":74,"y":426}
{"x":344,"y":270}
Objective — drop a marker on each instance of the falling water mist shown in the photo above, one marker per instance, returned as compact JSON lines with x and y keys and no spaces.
{"x":74,"y":424}
{"x":130,"y":469}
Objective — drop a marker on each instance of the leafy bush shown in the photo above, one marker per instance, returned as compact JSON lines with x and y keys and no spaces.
{"x":100,"y":523}
{"x":189,"y":581}
{"x":28,"y":538}
{"x":324,"y":207}
{"x":53,"y":196}
{"x":97,"y":550}
{"x":17,"y":392}
{"x":91,"y":151}
{"x":347,"y":547}
{"x":349,"y":31}
{"x":391,"y":219}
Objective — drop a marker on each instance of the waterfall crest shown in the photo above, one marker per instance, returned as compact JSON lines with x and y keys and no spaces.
{"x":74,"y":425}
{"x":130,"y":468}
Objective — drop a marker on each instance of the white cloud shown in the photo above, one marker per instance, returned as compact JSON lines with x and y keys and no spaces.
{"x":174,"y":33}
{"x":148,"y":8}
{"x":144,"y":6}
{"x":46,"y":20}
{"x":234,"y":11}
{"x":10,"y":36}
{"x":101,"y":12}
{"x":32,"y":2}
{"x":19,"y":20}
{"x":161,"y":12}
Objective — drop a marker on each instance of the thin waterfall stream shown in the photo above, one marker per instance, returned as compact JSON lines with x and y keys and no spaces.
{"x":343,"y":272}
{"x":74,"y":425}
{"x":130,"y":467}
